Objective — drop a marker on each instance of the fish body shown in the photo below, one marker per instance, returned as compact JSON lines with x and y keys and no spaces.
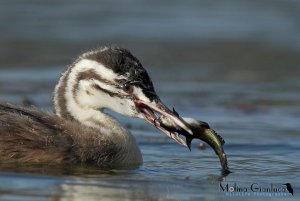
{"x":202,"y":131}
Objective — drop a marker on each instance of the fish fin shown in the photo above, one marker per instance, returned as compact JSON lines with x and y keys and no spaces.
{"x":188,"y":142}
{"x":175,"y":112}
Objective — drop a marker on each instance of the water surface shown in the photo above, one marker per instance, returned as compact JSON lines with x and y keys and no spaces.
{"x":259,"y":122}
{"x":234,"y":65}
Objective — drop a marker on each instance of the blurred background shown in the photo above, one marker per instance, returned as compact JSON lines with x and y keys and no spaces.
{"x":246,"y":40}
{"x":233,"y":63}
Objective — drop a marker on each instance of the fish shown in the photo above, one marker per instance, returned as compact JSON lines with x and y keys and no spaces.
{"x":202,"y":131}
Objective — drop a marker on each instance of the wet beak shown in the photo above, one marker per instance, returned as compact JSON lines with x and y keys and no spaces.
{"x":153,"y":111}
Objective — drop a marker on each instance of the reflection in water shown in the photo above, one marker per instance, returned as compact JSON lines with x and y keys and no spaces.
{"x":113,"y":189}
{"x":116,"y":185}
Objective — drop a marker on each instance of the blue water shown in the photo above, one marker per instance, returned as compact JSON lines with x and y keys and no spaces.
{"x":233,"y":64}
{"x":261,"y":134}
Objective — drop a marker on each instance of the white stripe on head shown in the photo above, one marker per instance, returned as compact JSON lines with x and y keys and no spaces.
{"x":84,"y":55}
{"x":100,"y":69}
{"x":80,"y":105}
{"x":115,"y":103}
{"x":73,"y":108}
{"x":138,"y":92}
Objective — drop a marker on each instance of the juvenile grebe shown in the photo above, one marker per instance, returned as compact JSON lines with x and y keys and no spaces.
{"x":80,"y":131}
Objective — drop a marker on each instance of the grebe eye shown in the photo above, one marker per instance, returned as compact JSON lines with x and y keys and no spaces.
{"x":128,"y":88}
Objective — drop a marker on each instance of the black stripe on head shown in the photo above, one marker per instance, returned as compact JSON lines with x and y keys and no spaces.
{"x":61,"y":100}
{"x":111,"y":94}
{"x":122,"y":62}
{"x":91,"y":74}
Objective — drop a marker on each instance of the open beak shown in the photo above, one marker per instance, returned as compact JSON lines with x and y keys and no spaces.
{"x":153,"y":111}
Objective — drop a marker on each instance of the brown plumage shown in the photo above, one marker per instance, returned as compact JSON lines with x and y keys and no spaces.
{"x":29,"y":135}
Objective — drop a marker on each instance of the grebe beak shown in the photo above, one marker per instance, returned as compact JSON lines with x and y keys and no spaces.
{"x":153,"y":111}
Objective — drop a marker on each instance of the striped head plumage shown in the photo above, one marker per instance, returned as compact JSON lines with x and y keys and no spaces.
{"x":109,"y":78}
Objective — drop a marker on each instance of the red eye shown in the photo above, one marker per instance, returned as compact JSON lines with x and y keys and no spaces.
{"x":128,"y":88}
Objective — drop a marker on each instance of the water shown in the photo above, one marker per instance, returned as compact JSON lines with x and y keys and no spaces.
{"x":235,"y":65}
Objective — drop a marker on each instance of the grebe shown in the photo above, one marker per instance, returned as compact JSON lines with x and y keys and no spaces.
{"x":80,"y":131}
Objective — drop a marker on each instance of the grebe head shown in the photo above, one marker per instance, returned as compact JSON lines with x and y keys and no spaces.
{"x":111,"y":78}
